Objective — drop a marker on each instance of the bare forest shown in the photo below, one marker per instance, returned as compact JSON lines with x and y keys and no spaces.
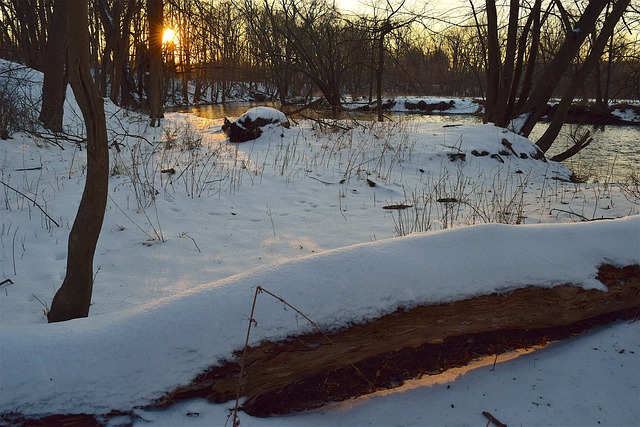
{"x":297,"y":50}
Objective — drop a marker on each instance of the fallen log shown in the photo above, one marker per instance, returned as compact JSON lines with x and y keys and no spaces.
{"x":273,"y":371}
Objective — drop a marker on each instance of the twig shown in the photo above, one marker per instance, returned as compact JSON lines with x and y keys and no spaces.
{"x":96,"y":273}
{"x":273,"y":227}
{"x":582,"y":217}
{"x":312,"y":104}
{"x":333,"y":124}
{"x":13,"y":250}
{"x":192,"y":239}
{"x":46,"y":309}
{"x":37,"y":168}
{"x":127,"y":216}
{"x":52,"y":138}
{"x":397,"y":207}
{"x":236,"y":421}
{"x":319,"y":180}
{"x":30,"y":199}
{"x":6,"y":282}
{"x":493,"y":419}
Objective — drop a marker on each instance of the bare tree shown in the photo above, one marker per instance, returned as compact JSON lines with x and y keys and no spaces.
{"x":264,"y":27}
{"x":40,"y":38}
{"x":319,"y":40}
{"x":612,"y":70}
{"x":548,"y":80}
{"x":385,"y":19}
{"x":465,"y":75}
{"x":73,"y":299}
{"x":54,"y":87}
{"x":29,"y":28}
{"x":503,"y":102}
{"x":505,"y":78}
{"x":229,"y":47}
{"x":116,"y":18}
{"x":547,"y":139}
{"x":154,"y":80}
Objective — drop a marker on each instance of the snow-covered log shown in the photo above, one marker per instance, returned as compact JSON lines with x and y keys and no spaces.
{"x":273,"y":367}
{"x":250,"y":125}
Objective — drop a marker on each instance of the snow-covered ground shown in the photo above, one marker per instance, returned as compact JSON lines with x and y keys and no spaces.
{"x":194,"y":224}
{"x":628,"y":114}
{"x":419,"y":104}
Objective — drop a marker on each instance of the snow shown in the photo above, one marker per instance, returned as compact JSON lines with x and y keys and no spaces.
{"x":627,"y":114}
{"x":295,"y":212}
{"x":459,"y":106}
{"x":266,"y":113}
{"x":335,"y":287}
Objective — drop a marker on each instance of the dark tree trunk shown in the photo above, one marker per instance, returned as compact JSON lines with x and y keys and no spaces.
{"x":527,"y":80}
{"x":154,"y":80}
{"x":30,"y":30}
{"x":55,"y":78}
{"x":549,"y":79}
{"x":547,"y":139}
{"x":74,"y":296}
{"x":379,"y":70}
{"x":598,"y":87}
{"x":116,"y":21}
{"x":501,"y":113}
{"x":493,"y":61}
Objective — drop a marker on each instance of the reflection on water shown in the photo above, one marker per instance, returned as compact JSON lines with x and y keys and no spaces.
{"x":219,"y":111}
{"x":612,"y":156}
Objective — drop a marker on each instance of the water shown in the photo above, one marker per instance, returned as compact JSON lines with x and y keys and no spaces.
{"x":611,"y":158}
{"x":219,"y":111}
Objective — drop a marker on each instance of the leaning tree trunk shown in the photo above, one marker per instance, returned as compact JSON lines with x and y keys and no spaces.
{"x":547,"y":139}
{"x":550,"y":77}
{"x":74,"y":296}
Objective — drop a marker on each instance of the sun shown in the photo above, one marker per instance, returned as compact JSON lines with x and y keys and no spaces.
{"x":168,"y":36}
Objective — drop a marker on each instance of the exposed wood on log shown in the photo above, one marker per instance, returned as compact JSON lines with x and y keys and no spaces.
{"x":275,"y":366}
{"x":493,"y":419}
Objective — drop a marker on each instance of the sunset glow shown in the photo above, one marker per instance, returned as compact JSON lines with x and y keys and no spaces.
{"x":168,"y":36}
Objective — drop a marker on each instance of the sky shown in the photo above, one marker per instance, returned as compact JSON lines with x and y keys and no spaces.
{"x":430,"y":8}
{"x":295,"y":211}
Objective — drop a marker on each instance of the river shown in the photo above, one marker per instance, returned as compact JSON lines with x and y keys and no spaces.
{"x":612,"y":156}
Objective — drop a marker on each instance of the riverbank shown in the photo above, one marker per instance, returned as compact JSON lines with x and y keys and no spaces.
{"x":612,"y":158}
{"x":617,"y":113}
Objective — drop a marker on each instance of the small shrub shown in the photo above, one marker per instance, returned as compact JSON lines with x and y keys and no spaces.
{"x":9,"y":111}
{"x":183,"y":137}
{"x":631,"y":188}
{"x":17,"y":111}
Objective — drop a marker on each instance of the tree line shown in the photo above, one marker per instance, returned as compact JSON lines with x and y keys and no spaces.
{"x":284,"y":49}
